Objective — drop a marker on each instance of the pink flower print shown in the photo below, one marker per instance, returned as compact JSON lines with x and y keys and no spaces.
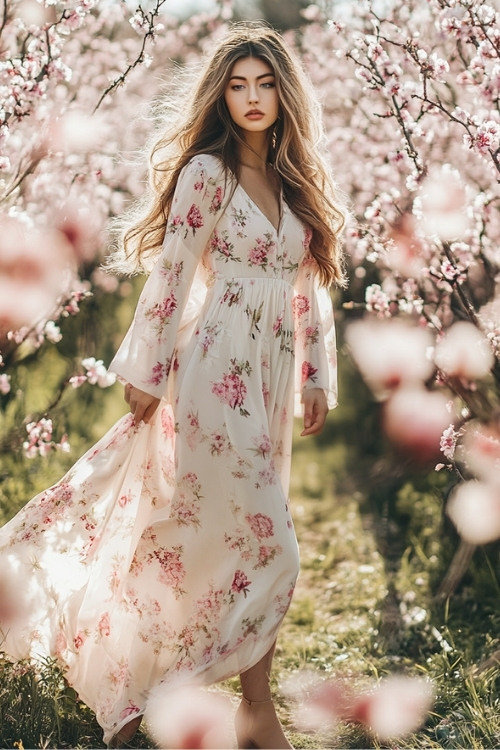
{"x":210,"y":604}
{"x":61,"y":643}
{"x":172,"y":272}
{"x":79,"y":640}
{"x":219,"y":443}
{"x":230,"y":390}
{"x":194,"y":218}
{"x":159,"y":315}
{"x":262,"y":445}
{"x":175,"y":224}
{"x":123,"y":500}
{"x":267,"y":554}
{"x":307,"y":238}
{"x":265,"y":394}
{"x":261,"y":525}
{"x":308,"y":372}
{"x":258,"y":255}
{"x":240,"y":583}
{"x":130,"y":710}
{"x":216,"y":203}
{"x":312,"y":334}
{"x":167,"y":423}
{"x":267,"y":476}
{"x":159,"y":373}
{"x":220,"y":244}
{"x":172,"y":568}
{"x":278,"y":324}
{"x":198,"y":186}
{"x":104,"y":626}
{"x":300,"y":305}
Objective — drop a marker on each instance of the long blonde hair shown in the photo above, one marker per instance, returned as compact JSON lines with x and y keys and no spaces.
{"x":205,"y":126}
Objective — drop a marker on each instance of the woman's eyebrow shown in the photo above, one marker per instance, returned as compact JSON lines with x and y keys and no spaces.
{"x":242,"y":78}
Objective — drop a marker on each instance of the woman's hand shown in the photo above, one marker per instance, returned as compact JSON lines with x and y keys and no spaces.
{"x":315,"y":411}
{"x":142,"y":405}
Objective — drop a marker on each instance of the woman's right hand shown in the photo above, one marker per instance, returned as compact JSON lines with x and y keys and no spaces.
{"x":142,"y":405}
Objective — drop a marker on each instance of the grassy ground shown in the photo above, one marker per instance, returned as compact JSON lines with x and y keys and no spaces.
{"x":375,"y":550}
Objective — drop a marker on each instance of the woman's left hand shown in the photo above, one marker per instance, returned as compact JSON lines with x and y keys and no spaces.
{"x":315,"y":411}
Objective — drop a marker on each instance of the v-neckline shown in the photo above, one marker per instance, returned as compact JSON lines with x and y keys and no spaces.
{"x":281,"y":207}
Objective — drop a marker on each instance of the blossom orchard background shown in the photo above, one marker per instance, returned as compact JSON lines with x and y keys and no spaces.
{"x":410,"y":91}
{"x":76,"y":82}
{"x":412,"y":112}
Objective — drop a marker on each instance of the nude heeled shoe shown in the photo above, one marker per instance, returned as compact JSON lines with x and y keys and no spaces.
{"x":257,"y":726}
{"x":124,"y":735}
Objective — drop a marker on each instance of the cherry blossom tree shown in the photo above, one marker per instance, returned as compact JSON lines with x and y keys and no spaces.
{"x":77,"y":79}
{"x":411,"y":96}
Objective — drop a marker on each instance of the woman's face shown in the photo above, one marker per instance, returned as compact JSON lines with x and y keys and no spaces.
{"x":251,"y":95}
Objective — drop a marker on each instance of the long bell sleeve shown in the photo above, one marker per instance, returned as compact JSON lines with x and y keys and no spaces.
{"x":315,"y":339}
{"x":146,"y":354}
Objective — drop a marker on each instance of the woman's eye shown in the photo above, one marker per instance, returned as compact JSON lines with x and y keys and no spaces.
{"x":268,"y":85}
{"x":237,"y":87}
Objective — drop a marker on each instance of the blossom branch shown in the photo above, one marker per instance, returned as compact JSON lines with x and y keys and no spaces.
{"x":150,"y":34}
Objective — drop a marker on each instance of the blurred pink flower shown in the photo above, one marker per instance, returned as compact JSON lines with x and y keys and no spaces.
{"x":405,"y":254}
{"x":398,"y":706}
{"x":443,"y":206}
{"x":35,"y":269}
{"x":4,"y":384}
{"x":75,"y":131}
{"x":12,"y":606}
{"x":481,"y":450}
{"x":414,"y":420}
{"x":464,"y":352}
{"x":390,"y":354}
{"x":474,"y":508}
{"x":188,"y":717}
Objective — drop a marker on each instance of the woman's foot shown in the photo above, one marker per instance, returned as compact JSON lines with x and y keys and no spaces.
{"x":257,"y":726}
{"x":126,"y":733}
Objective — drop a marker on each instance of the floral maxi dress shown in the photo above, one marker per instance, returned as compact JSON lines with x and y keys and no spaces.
{"x":168,"y":552}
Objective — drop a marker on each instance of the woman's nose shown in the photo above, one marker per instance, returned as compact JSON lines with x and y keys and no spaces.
{"x":253,"y":94}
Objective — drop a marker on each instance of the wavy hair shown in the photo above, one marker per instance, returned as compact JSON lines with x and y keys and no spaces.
{"x":205,"y":126}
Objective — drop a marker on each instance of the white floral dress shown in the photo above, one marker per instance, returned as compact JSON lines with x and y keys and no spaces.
{"x":168,"y":551}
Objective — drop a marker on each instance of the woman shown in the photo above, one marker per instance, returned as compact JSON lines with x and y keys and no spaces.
{"x":178,"y":553}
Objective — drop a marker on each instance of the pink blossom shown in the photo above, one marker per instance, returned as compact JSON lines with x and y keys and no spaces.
{"x":184,"y":716}
{"x":414,"y":420}
{"x":448,"y":442}
{"x":377,"y":300}
{"x":97,"y":372}
{"x":464,"y":352}
{"x":4,"y":384}
{"x":77,"y":380}
{"x":481,"y":450}
{"x":443,"y":205}
{"x":474,"y":508}
{"x":398,"y":706}
{"x":390,"y":354}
